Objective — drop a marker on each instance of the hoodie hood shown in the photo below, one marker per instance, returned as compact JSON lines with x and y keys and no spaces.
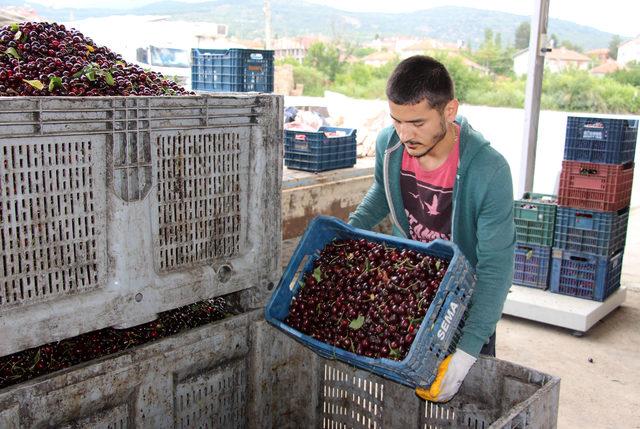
{"x":472,"y":144}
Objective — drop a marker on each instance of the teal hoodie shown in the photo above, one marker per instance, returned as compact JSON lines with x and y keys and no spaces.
{"x":482,"y":220}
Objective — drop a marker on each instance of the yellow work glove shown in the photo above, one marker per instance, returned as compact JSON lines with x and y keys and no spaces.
{"x":451,"y":374}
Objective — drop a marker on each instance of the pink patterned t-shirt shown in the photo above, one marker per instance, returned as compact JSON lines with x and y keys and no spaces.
{"x":428,"y":195}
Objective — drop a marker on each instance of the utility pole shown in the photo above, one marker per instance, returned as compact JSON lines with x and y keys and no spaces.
{"x":267,"y":24}
{"x":537,"y":50}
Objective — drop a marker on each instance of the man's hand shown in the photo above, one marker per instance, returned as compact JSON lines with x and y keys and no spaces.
{"x":451,"y":374}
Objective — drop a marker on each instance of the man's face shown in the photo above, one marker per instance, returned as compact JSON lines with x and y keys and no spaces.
{"x":419,"y":126}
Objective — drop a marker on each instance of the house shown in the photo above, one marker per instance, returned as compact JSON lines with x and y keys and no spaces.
{"x":629,"y":51}
{"x":471,"y":64}
{"x":605,"y":68}
{"x":557,"y":60}
{"x":425,"y":45}
{"x":289,"y":48}
{"x":377,"y":59}
{"x":600,"y":55}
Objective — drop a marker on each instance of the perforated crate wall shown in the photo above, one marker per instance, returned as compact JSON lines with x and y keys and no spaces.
{"x":535,"y":216}
{"x":592,"y":186}
{"x":589,"y":231}
{"x":531,"y":265}
{"x":52,"y":230}
{"x":114,"y":209}
{"x":316,"y":151}
{"x":584,"y":275}
{"x":235,"y":70}
{"x":248,"y":373}
{"x":213,"y":399}
{"x":602,"y":140}
{"x":349,"y":401}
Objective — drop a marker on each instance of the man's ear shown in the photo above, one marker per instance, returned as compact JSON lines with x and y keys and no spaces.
{"x":451,"y":110}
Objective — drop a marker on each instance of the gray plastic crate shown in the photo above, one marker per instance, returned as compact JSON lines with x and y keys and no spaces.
{"x":113,"y":209}
{"x":242,"y":373}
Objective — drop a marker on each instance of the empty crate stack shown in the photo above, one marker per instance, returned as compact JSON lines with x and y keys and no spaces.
{"x":535,"y":216}
{"x":594,"y":198}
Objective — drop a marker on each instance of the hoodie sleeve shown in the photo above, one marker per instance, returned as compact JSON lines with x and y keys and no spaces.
{"x":374,"y":207}
{"x":494,"y":270}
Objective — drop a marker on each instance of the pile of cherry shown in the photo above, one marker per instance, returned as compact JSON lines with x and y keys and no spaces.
{"x":366,"y":298}
{"x":31,"y":363}
{"x":39,"y":58}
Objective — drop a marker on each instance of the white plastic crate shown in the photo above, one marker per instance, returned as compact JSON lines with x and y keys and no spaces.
{"x":242,"y":373}
{"x":113,"y":209}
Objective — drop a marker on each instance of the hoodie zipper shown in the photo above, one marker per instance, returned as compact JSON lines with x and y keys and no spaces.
{"x":387,"y":191}
{"x":455,"y":205}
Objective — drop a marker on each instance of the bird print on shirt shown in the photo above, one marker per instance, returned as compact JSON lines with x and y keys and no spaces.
{"x":431,"y":209}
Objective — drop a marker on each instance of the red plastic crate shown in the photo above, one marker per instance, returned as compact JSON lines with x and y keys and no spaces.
{"x":603,"y":187}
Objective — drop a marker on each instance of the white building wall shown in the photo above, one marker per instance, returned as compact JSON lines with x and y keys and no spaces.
{"x":629,"y":51}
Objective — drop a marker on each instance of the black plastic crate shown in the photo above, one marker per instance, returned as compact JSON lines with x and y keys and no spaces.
{"x":232,"y":70}
{"x":531,"y":265}
{"x":599,"y":233}
{"x":601,"y":140}
{"x":584,"y":275}
{"x":321,"y":150}
{"x":535,"y":216}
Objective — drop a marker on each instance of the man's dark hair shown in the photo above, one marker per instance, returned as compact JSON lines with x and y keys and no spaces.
{"x":418,"y":78}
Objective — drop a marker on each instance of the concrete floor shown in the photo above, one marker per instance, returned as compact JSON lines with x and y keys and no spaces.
{"x":600,"y":371}
{"x":603,"y":392}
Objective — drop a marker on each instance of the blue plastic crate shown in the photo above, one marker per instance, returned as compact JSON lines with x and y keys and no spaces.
{"x":601,"y":140}
{"x":439,"y":331}
{"x":588,"y":231}
{"x":531,"y":265}
{"x":315,"y":151}
{"x":232,"y":70}
{"x":584,"y":275}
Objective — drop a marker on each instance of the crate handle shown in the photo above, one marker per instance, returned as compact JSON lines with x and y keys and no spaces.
{"x":627,"y":165}
{"x":302,"y":137}
{"x":622,"y":211}
{"x":528,"y":206}
{"x":584,"y":220}
{"x":584,"y":215}
{"x":298,"y":276}
{"x":529,"y":251}
{"x":256,"y":56}
{"x":578,"y":258}
{"x":588,"y":171}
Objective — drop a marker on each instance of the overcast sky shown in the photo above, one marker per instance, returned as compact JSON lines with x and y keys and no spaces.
{"x":615,"y":16}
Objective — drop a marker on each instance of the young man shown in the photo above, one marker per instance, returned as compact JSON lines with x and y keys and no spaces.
{"x":438,"y":178}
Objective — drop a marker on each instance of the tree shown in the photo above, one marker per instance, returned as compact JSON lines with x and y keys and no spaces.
{"x":613,"y":46}
{"x":498,"y":40}
{"x":325,"y":59}
{"x":491,"y":55}
{"x":488,"y":36}
{"x":629,"y":75}
{"x":523,"y":32}
{"x":573,"y":46}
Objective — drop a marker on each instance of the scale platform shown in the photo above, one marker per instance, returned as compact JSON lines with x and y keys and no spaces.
{"x":568,"y":312}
